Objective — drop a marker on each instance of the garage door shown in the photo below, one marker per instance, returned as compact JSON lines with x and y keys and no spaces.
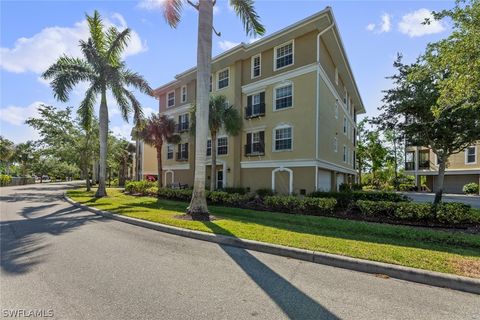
{"x":455,"y":183}
{"x":324,"y":180}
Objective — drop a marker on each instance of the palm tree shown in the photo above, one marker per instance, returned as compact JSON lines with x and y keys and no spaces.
{"x":172,"y":11}
{"x":103,"y":68}
{"x":220,"y":114}
{"x":158,"y":130}
{"x":124,"y":157}
{"x":136,"y":134}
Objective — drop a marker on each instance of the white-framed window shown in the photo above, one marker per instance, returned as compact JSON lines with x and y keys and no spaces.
{"x":184,"y":94}
{"x":255,"y":105}
{"x":170,"y":99}
{"x":345,"y":125}
{"x":169,"y":151}
{"x":344,"y":153}
{"x":283,"y":138}
{"x":336,"y":76}
{"x":283,"y":97}
{"x":183,"y":122}
{"x":256,"y":66}
{"x":335,"y":144}
{"x":283,"y":55}
{"x":471,"y":155}
{"x":222,"y":146}
{"x":209,"y":147}
{"x":182,"y":151}
{"x":255,"y":143}
{"x":223,"y":78}
{"x":336,"y":108}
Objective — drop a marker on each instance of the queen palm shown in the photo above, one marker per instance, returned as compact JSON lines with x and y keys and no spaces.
{"x":172,"y":11}
{"x":220,"y":115}
{"x":156,"y":131}
{"x":103,"y":69}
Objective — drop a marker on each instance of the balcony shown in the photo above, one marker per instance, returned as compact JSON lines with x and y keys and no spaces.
{"x":255,"y":111}
{"x":255,"y":149}
{"x":182,"y":156}
{"x":182,"y":127}
{"x":409,"y":166}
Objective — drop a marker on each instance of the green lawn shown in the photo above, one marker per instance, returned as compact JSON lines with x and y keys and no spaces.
{"x":450,"y":252}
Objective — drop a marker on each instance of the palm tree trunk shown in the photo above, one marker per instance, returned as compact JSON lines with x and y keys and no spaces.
{"x":198,"y":205}
{"x":137,"y":159}
{"x":159,"y":166}
{"x":103,"y":132}
{"x":440,"y":180}
{"x":213,"y":174}
{"x":87,"y":177}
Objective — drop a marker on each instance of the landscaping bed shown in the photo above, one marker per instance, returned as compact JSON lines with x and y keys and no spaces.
{"x":448,"y":252}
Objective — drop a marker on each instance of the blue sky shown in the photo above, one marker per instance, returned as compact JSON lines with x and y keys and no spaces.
{"x":35,"y":33}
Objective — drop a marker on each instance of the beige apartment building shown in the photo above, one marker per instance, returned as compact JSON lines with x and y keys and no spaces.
{"x":298,"y":100}
{"x":462,"y":168}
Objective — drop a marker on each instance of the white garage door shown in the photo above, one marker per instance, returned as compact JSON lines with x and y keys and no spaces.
{"x":324,"y":180}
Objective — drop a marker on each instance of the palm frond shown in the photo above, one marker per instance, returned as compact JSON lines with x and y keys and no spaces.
{"x":232,"y":121}
{"x":135,"y":80}
{"x":86,"y":109}
{"x":136,"y":106}
{"x":95,"y":24}
{"x":172,"y":12}
{"x":66,"y":73}
{"x":122,"y":101}
{"x":92,"y":55}
{"x":116,"y":43}
{"x":245,"y":10}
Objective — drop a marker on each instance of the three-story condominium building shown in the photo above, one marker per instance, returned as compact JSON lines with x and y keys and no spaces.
{"x":299,"y":102}
{"x":461,"y":168}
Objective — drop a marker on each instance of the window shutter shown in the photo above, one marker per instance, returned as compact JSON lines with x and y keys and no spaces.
{"x":262,"y":97}
{"x":262,"y":141}
{"x":248,"y":145}
{"x":249,"y":106}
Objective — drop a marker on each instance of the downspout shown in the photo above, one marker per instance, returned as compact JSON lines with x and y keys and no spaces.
{"x":318,"y":88}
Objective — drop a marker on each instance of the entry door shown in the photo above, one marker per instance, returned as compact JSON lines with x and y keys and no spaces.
{"x":220,"y":179}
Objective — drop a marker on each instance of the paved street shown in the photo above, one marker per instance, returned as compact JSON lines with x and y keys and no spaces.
{"x":473,"y":201}
{"x":83,"y":266}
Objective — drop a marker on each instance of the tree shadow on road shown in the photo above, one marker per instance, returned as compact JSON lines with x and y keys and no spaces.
{"x":293,"y":302}
{"x":22,"y":241}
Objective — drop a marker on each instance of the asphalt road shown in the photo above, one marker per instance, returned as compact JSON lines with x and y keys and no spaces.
{"x":473,"y":201}
{"x":76,"y":265}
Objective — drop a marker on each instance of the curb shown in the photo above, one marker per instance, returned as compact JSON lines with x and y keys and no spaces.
{"x":431,"y":278}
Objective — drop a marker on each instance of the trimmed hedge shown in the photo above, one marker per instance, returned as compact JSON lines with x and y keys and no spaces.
{"x":471,"y":188}
{"x":140,"y":187}
{"x":293,"y":204}
{"x":345,"y":199}
{"x":447,"y":213}
{"x":5,"y":180}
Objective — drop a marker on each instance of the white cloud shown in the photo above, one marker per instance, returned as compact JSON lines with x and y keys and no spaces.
{"x":384,"y":26}
{"x":151,"y":4}
{"x":123,"y":130}
{"x":38,"y":52}
{"x":226,"y":45}
{"x":17,"y":115}
{"x":148,"y":111}
{"x":370,"y":27}
{"x":386,"y":23}
{"x":412,"y":23}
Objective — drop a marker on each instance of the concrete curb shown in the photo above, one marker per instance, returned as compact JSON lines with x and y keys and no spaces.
{"x":431,"y":278}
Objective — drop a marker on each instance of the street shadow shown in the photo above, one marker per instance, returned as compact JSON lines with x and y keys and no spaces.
{"x":293,"y":302}
{"x":22,"y":241}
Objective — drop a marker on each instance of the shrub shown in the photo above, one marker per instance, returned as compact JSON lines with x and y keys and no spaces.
{"x":406,"y":187}
{"x":5,"y":180}
{"x":414,"y":211}
{"x":356,"y":187}
{"x":140,"y":187}
{"x":471,"y":188}
{"x":152,"y":191}
{"x":376,"y":208}
{"x":345,"y":199}
{"x":175,"y":194}
{"x":454,"y":213}
{"x":344,"y":187}
{"x":231,"y":199}
{"x":264,"y":192}
{"x":292,"y":204}
{"x":235,"y":190}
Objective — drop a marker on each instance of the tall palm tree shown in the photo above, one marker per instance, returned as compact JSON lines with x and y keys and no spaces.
{"x":172,"y":11}
{"x":159,"y":129}
{"x":220,"y":114}
{"x":102,"y":67}
{"x":136,"y":134}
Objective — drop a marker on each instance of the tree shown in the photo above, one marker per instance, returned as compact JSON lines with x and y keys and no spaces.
{"x":172,"y":11}
{"x":156,"y":131}
{"x":25,"y":155}
{"x":414,"y":102}
{"x":7,"y":150}
{"x":123,"y":155}
{"x":104,"y":70}
{"x":136,"y":134}
{"x":220,"y":115}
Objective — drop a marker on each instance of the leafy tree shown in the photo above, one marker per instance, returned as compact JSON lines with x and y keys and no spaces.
{"x":414,"y":102}
{"x":157,"y":130}
{"x":220,"y":115}
{"x":123,"y":155}
{"x":7,"y":150}
{"x":172,"y":11}
{"x":103,"y":68}
{"x":136,"y":134}
{"x":25,"y":155}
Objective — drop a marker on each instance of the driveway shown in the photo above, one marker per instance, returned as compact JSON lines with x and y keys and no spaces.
{"x":75,"y":265}
{"x":473,"y":201}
